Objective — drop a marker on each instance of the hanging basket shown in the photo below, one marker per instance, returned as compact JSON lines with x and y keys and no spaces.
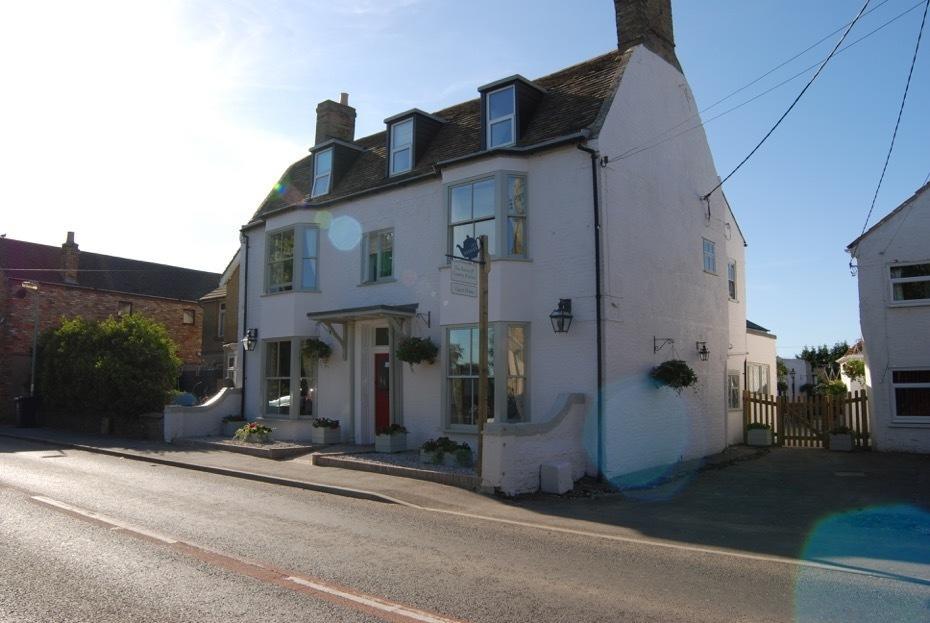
{"x":414,"y":350}
{"x":317,"y":347}
{"x":674,"y":373}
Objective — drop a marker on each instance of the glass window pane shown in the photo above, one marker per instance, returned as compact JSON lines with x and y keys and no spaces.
{"x":311,"y":235}
{"x":460,"y":355}
{"x":461,"y":204}
{"x":483,"y":199}
{"x":515,"y":236}
{"x":308,"y":367}
{"x":278,"y":397}
{"x":321,"y":185}
{"x":915,"y":270}
{"x":912,"y":401}
{"x":308,"y":277}
{"x":271,"y":358}
{"x":476,"y":355}
{"x":516,"y":357}
{"x":516,"y":400}
{"x":402,"y":133}
{"x":501,"y":133}
{"x":372,"y":274}
{"x":323,"y":162}
{"x":382,"y":336}
{"x":461,"y":401}
{"x":459,"y":233}
{"x":284,"y":359}
{"x":910,"y":376}
{"x":387,"y":263}
{"x":500,"y":103}
{"x":401,"y":161}
{"x":913,"y":291}
{"x":487,"y":228}
{"x":516,"y":195}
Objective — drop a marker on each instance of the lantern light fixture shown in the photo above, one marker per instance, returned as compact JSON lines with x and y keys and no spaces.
{"x":250,"y":339}
{"x":702,"y":351}
{"x":561,"y":316}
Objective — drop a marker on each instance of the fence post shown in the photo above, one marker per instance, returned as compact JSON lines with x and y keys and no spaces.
{"x":746,"y":407}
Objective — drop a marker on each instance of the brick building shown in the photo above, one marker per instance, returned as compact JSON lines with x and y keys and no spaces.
{"x":77,"y":283}
{"x":221,"y":328}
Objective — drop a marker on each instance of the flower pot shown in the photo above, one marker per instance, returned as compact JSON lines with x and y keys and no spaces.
{"x":230,"y":428}
{"x":391,"y":443}
{"x":841,"y":442}
{"x":325,"y":435}
{"x":257,"y":439}
{"x":759,"y":437}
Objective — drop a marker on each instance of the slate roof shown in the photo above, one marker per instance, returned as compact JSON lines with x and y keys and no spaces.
{"x":20,"y":259}
{"x":576,"y":99}
{"x":755,"y":327}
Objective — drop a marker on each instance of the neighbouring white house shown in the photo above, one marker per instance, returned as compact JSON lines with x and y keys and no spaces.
{"x":799,"y":376}
{"x":856,"y":352}
{"x":351,"y":248}
{"x":893,"y":261}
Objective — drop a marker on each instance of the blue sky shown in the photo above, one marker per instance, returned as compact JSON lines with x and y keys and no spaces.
{"x":154,"y":129}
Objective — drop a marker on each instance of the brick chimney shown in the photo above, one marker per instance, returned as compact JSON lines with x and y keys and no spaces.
{"x":647,"y":22}
{"x":69,"y":259}
{"x":335,"y":120}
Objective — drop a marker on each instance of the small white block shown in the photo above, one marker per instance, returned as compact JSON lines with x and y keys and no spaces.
{"x":556,"y":477}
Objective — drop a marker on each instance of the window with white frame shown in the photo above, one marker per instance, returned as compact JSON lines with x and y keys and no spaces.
{"x":278,"y":377}
{"x":507,"y":393}
{"x":495,"y":206}
{"x":220,"y":319}
{"x":379,"y":256}
{"x":731,"y":280}
{"x":187,"y":316}
{"x":911,"y":395}
{"x":710,"y":256}
{"x":910,"y":283}
{"x":322,"y":172}
{"x":283,"y":271}
{"x":402,"y":147}
{"x":309,"y":362}
{"x":734,"y":394}
{"x":757,"y":377}
{"x":231,"y":367}
{"x":501,"y":118}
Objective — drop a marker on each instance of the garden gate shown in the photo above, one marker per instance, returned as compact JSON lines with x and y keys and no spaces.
{"x":806,"y":421}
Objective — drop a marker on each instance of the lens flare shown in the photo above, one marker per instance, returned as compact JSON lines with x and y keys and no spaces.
{"x":345,"y":233}
{"x":891,"y":542}
{"x":323,"y":218}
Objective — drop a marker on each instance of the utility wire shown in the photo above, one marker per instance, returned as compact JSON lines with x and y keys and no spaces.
{"x":796,"y":100}
{"x":649,"y":145}
{"x":897,"y":123}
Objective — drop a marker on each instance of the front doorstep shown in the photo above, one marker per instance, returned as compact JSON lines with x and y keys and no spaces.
{"x":390,"y":444}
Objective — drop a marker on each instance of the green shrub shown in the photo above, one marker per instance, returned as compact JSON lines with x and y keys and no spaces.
{"x":317,"y":347}
{"x":855,"y":370}
{"x":758,"y":426}
{"x":393,"y":429}
{"x":253,"y":432}
{"x":674,"y":373}
{"x":322,"y":422}
{"x":832,"y":388}
{"x":120,"y":367}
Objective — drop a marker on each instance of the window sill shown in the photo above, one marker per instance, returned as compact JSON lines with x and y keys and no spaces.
{"x":923,"y":423}
{"x":708,"y":272}
{"x":916,"y":303}
{"x":461,"y":430}
{"x":290,"y":292}
{"x":378,"y":282}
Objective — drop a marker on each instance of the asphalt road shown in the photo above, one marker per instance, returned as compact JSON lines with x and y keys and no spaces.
{"x":166,"y":544}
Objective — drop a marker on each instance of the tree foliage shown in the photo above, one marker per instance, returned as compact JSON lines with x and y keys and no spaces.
{"x":824,"y":356}
{"x":855,"y":370}
{"x":120,"y":366}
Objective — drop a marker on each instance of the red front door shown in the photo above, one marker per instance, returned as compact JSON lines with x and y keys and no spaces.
{"x":382,"y":391}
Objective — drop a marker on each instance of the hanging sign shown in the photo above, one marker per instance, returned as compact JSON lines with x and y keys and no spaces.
{"x":464,"y":278}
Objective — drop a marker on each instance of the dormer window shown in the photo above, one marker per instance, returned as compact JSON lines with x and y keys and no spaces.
{"x":401,"y":147}
{"x":501,"y":119}
{"x":322,"y":172}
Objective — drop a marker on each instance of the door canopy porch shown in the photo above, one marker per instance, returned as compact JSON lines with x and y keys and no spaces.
{"x":396,"y":315}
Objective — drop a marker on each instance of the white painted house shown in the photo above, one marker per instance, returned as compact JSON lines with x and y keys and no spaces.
{"x":799,"y":375}
{"x":893,"y":259}
{"x":351,"y":247}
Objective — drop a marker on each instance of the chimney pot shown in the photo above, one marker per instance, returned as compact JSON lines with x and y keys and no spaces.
{"x":69,"y":259}
{"x":335,"y":120}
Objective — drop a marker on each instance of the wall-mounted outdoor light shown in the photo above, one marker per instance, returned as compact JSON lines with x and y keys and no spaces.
{"x":561,"y":316}
{"x":702,"y":351}
{"x":250,"y":339}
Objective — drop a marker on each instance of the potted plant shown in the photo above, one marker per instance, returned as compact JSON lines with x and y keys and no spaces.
{"x":390,"y":439}
{"x":253,"y":433}
{"x":416,"y":350}
{"x":231,"y":424}
{"x":323,"y":430}
{"x":430,"y":452}
{"x":461,"y":457}
{"x":841,"y":439}
{"x":758,"y":434}
{"x":317,"y":347}
{"x":674,"y":373}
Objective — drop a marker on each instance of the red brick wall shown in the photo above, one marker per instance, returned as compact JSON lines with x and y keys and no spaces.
{"x":57,"y":301}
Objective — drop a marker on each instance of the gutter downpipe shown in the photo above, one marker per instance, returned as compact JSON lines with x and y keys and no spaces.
{"x":245,"y":316}
{"x":599,"y":398}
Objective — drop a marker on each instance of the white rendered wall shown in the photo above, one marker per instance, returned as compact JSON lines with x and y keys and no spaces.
{"x":802,"y":375}
{"x":895,"y":336}
{"x":736,"y":349}
{"x":656,"y":285}
{"x":762,"y":349}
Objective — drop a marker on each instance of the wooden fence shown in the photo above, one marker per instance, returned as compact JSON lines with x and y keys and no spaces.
{"x":806,"y":421}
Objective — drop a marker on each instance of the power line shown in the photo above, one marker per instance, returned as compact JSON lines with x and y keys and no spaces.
{"x":796,"y":100}
{"x":897,"y":123}
{"x":649,"y":145}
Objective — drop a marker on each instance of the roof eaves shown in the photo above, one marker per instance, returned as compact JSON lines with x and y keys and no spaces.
{"x":509,"y":80}
{"x":888,"y":217}
{"x":598,"y":123}
{"x":414,"y":111}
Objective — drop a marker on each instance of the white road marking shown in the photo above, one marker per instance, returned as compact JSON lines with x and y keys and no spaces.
{"x":373,"y":602}
{"x":117,"y":524}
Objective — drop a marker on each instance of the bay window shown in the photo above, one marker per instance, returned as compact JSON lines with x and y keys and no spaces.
{"x":290,"y":379}
{"x":494,"y":206}
{"x":292,"y":257}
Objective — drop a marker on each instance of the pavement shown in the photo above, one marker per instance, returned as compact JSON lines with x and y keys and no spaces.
{"x":766,"y":506}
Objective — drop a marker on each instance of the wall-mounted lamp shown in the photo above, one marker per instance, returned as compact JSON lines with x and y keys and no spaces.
{"x":250,"y":339}
{"x":702,"y":351}
{"x":561,"y":316}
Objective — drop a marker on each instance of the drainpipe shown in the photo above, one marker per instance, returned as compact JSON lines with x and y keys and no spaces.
{"x":598,"y":330}
{"x":245,"y":317}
